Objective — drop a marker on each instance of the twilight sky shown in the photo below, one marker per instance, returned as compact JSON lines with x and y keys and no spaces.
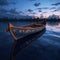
{"x":37,"y":8}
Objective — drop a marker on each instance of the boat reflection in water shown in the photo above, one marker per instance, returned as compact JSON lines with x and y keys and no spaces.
{"x":24,"y":35}
{"x":24,"y":42}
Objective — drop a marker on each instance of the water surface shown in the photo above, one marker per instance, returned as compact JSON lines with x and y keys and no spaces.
{"x":46,"y":47}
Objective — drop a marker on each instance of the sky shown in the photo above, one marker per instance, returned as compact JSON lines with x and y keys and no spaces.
{"x":22,"y":8}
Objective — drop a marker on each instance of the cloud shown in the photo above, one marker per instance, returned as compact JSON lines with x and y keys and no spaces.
{"x":53,"y":16}
{"x":36,"y":4}
{"x":13,"y":11}
{"x":10,"y":11}
{"x":31,"y":0}
{"x":29,"y":10}
{"x":21,"y":12}
{"x":56,"y":4}
{"x":2,"y":10}
{"x":57,"y":9}
{"x":33,"y":13}
{"x":5,"y":2}
{"x":43,"y":8}
{"x":40,"y":10}
{"x":44,"y":12}
{"x":52,"y":8}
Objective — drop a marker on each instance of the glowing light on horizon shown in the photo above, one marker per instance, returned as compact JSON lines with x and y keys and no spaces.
{"x":45,"y":15}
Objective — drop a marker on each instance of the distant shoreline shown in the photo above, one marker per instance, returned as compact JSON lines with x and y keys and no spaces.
{"x":26,"y":20}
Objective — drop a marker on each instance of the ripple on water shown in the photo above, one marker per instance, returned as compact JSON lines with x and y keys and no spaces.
{"x":50,"y":37}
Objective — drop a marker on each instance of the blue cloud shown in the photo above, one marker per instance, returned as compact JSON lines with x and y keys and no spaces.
{"x":43,"y":8}
{"x":57,"y":9}
{"x":33,"y":13}
{"x":52,"y":8}
{"x":13,"y":11}
{"x":56,"y":4}
{"x":31,"y":0}
{"x":44,"y":12}
{"x":6,"y":2}
{"x":36,"y":4}
{"x":21,"y":12}
{"x":29,"y":10}
{"x":2,"y":10}
{"x":40,"y":11}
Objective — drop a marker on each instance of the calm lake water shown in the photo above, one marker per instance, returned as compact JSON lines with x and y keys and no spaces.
{"x":46,"y":47}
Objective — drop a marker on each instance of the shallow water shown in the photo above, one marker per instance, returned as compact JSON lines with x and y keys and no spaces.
{"x":46,"y":47}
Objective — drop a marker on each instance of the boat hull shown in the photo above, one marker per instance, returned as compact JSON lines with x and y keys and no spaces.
{"x":24,"y":42}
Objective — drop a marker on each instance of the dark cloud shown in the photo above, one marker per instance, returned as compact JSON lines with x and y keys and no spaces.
{"x":52,"y":8}
{"x":40,"y":11}
{"x":31,"y":0}
{"x":43,"y":8}
{"x":53,"y":16}
{"x":56,"y":4}
{"x":21,"y":12}
{"x":5,"y":2}
{"x":44,"y":12}
{"x":2,"y":10}
{"x":13,"y":11}
{"x":9,"y":13}
{"x":33,"y":13}
{"x":38,"y":8}
{"x":57,"y":9}
{"x":29,"y":10}
{"x":36,"y":4}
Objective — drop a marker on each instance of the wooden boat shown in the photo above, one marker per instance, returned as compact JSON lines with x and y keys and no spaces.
{"x":20,"y":44}
{"x":24,"y":35}
{"x":22,"y":31}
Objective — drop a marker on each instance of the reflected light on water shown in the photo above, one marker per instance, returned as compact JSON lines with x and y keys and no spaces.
{"x":55,"y":28}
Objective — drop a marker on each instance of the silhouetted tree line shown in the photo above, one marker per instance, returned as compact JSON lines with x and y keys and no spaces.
{"x":22,"y":20}
{"x":52,"y":20}
{"x":27,"y":20}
